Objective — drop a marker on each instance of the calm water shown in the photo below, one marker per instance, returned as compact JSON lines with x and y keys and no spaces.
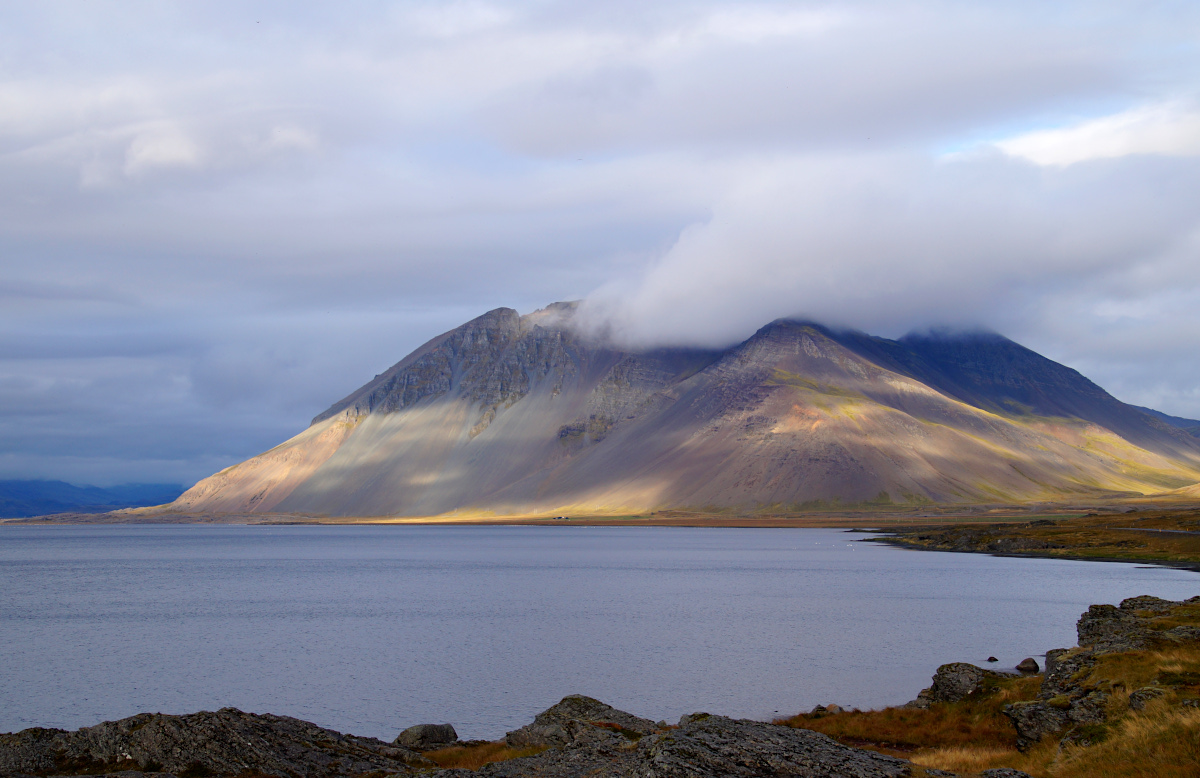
{"x":371,"y":629}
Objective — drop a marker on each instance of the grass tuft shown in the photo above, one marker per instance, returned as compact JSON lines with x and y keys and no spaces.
{"x":476,"y":756}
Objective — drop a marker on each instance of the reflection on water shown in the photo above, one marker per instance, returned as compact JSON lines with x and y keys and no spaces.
{"x":371,"y":629}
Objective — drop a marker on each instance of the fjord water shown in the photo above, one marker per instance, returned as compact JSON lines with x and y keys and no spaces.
{"x":371,"y":629}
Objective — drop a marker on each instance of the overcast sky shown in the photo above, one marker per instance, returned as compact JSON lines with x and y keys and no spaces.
{"x":218,"y":218}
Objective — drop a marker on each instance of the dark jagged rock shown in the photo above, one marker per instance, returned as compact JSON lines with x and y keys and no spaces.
{"x":426,"y":737}
{"x":705,"y":746}
{"x":1004,"y":772}
{"x":1063,"y":700}
{"x":1108,"y":628}
{"x":577,"y":718}
{"x":227,"y":742}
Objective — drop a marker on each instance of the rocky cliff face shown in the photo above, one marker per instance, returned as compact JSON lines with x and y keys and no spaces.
{"x":519,"y":414}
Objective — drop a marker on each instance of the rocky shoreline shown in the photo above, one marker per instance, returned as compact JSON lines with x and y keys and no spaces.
{"x":580,"y":736}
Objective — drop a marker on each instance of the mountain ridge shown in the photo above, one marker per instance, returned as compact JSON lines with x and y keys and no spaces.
{"x":25,"y":498}
{"x":513,"y":414}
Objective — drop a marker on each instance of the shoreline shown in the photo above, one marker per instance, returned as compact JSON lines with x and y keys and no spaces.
{"x":1089,"y":711}
{"x":1190,"y":566}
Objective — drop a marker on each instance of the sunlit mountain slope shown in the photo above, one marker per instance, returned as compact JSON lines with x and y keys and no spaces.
{"x":522,"y":414}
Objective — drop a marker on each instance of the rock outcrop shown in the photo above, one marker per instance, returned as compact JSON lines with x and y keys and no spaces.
{"x":954,"y":682}
{"x":703,"y":746}
{"x":582,"y":737}
{"x":227,"y":742}
{"x":576,"y":719}
{"x":1065,"y":703}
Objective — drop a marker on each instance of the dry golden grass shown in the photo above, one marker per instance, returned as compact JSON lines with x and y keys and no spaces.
{"x":975,"y":723}
{"x":971,"y":736}
{"x":474,"y":757}
{"x":1162,"y":742}
{"x":959,"y":759}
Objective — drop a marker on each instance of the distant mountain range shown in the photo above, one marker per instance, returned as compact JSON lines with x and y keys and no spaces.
{"x":38,"y":498}
{"x":512,"y":414}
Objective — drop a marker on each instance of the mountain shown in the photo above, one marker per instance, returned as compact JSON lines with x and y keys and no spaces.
{"x":38,"y":498}
{"x":1190,"y":426}
{"x":514,"y":414}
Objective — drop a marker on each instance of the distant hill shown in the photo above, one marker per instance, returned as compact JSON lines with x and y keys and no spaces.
{"x":1191,"y":426}
{"x":514,"y":414}
{"x":37,"y":498}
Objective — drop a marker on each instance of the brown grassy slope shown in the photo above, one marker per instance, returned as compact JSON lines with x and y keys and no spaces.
{"x":1155,"y":536}
{"x":974,"y":735}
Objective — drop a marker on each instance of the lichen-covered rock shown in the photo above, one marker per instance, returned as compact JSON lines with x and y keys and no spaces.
{"x":1004,"y":772}
{"x":578,"y":718}
{"x":426,"y":737}
{"x":227,"y":742}
{"x":1139,"y":698}
{"x":1108,"y":629}
{"x":1035,"y":720}
{"x":1062,"y":701}
{"x":954,"y":682}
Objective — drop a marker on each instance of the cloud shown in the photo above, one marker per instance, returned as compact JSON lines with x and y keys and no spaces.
{"x":898,"y":242}
{"x":1169,"y":129}
{"x":161,"y":147}
{"x":218,"y":218}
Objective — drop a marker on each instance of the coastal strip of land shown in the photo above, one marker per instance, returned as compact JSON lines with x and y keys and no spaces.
{"x":898,"y":518}
{"x":1154,"y":536}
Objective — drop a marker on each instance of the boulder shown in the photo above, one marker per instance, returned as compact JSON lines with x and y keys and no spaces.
{"x":827,"y":710}
{"x":578,"y":718}
{"x":1028,"y":665}
{"x":954,"y":682}
{"x":427,"y":737}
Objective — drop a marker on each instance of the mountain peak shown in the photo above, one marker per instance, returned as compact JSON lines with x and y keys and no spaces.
{"x":520,"y":414}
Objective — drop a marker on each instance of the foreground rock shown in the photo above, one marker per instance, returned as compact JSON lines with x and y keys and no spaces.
{"x":427,"y":737}
{"x":225,"y":743}
{"x":1064,"y":702}
{"x":578,"y":719}
{"x":703,"y":746}
{"x":583,"y":737}
{"x":954,"y":682}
